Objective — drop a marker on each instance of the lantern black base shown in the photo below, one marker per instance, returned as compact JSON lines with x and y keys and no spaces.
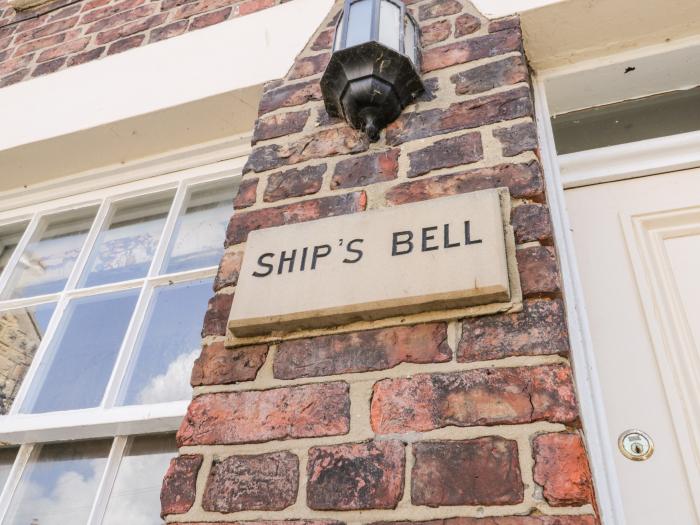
{"x":369,"y":85}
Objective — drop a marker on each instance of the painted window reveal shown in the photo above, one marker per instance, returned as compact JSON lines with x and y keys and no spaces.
{"x":9,"y":237}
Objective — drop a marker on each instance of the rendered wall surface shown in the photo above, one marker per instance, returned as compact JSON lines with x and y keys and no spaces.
{"x":460,"y":420}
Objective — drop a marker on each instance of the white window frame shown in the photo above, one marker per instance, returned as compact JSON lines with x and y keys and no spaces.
{"x":608,"y":164}
{"x":179,"y":172}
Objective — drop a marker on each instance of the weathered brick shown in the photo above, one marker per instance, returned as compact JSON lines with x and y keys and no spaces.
{"x":446,"y":153}
{"x":41,"y":43}
{"x":209,"y":19}
{"x":179,"y":486}
{"x":365,"y":170}
{"x":431,"y":85}
{"x":48,"y":67}
{"x":324,"y":40}
{"x":561,"y":468}
{"x":216,"y":316}
{"x":243,"y":223}
{"x":229,"y":269}
{"x":540,"y":329}
{"x":523,"y":180}
{"x":539,"y":273}
{"x":13,"y":78}
{"x":118,"y":19}
{"x":294,"y":183}
{"x":99,"y":10}
{"x":87,"y":56}
{"x":500,"y":520}
{"x":252,"y":6}
{"x":492,"y":396}
{"x":14,"y":64}
{"x":435,"y":32}
{"x":501,"y":24}
{"x":461,"y":115}
{"x":356,"y":476}
{"x":321,"y":144}
{"x":64,"y":12}
{"x":280,"y":522}
{"x":256,"y":416}
{"x":68,"y":48}
{"x":517,"y":139}
{"x":308,"y":66}
{"x":125,"y":44}
{"x":129,"y":29}
{"x":362,"y":351}
{"x":46,"y":30}
{"x":261,"y":482}
{"x":246,"y":194}
{"x":439,"y":8}
{"x":473,"y":49}
{"x":505,"y":72}
{"x":279,"y":125}
{"x":466,"y":24}
{"x":531,"y":223}
{"x":290,"y":95}
{"x":483,"y":471}
{"x":168,"y":31}
{"x":218,"y":365}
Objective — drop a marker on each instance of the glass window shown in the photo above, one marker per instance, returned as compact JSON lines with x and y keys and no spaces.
{"x":7,"y":458}
{"x":389,"y":24}
{"x":21,"y":331}
{"x":198,"y":240}
{"x":48,"y":259}
{"x":135,"y":497}
{"x":170,"y":342}
{"x":59,"y":484}
{"x":628,"y":121}
{"x":409,"y":41}
{"x":9,"y":237}
{"x":124,"y":250}
{"x":359,"y":23}
{"x":78,"y":365}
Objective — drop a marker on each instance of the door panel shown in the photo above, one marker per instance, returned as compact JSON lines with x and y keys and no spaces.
{"x":638,"y":251}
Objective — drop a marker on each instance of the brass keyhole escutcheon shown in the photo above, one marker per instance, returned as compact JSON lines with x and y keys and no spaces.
{"x":635,"y":445}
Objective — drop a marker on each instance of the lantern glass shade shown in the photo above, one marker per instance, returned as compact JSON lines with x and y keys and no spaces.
{"x":410,"y":44}
{"x":390,"y":25}
{"x":359,"y":23}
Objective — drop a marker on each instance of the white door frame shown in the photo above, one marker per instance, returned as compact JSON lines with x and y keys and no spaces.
{"x":608,"y":164}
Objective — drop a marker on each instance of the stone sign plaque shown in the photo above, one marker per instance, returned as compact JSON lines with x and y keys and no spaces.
{"x":442,"y":253}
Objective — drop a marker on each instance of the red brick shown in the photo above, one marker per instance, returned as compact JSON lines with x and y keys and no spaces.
{"x":539,"y":274}
{"x":493,"y":396}
{"x":116,"y":14}
{"x":68,"y":48}
{"x":87,"y":56}
{"x":324,"y":40}
{"x":483,"y":471}
{"x":435,"y":32}
{"x":124,"y":45}
{"x":40,"y":43}
{"x":261,"y":482}
{"x":65,"y":12}
{"x":279,"y":125}
{"x":46,"y":30}
{"x":308,"y":66}
{"x":243,"y":223}
{"x":129,"y":29}
{"x":446,"y":153}
{"x":517,"y":139}
{"x":279,"y":522}
{"x":252,"y":6}
{"x":48,"y":67}
{"x":218,"y":365}
{"x":531,"y":223}
{"x":508,"y":71}
{"x":438,"y":8}
{"x":318,"y":145}
{"x":461,"y":115}
{"x":253,"y":417}
{"x":168,"y":31}
{"x":12,"y":65}
{"x":362,"y":351}
{"x":290,"y":95}
{"x":216,"y":316}
{"x":466,"y":24}
{"x":246,"y":194}
{"x":523,"y":180}
{"x":366,"y":170}
{"x":540,"y":329}
{"x":209,"y":19}
{"x":229,"y":269}
{"x":179,"y":486}
{"x":13,"y":78}
{"x":356,"y":476}
{"x":501,"y":24}
{"x":121,"y":18}
{"x":499,"y":520}
{"x":294,"y":183}
{"x":561,"y":468}
{"x":473,"y":49}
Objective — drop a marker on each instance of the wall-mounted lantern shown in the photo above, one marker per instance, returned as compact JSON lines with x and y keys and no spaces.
{"x":373,"y":72}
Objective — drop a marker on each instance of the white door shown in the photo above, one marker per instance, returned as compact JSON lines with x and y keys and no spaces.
{"x":638,"y":249}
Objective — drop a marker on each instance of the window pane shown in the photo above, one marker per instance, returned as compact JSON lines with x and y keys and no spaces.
{"x":7,"y":458}
{"x":360,"y":23}
{"x":199,"y":235}
{"x":21,"y":331}
{"x":59,"y":484}
{"x":161,"y":366}
{"x":9,"y":237}
{"x":135,"y":497}
{"x":124,"y":250}
{"x":389,"y":24}
{"x":409,"y":41}
{"x":49,"y":258}
{"x":79,"y":362}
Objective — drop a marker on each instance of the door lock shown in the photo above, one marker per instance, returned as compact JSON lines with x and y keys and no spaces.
{"x":635,"y":445}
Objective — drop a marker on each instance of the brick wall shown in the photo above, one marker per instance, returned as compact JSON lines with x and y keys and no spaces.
{"x":65,"y":33}
{"x":459,"y":421}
